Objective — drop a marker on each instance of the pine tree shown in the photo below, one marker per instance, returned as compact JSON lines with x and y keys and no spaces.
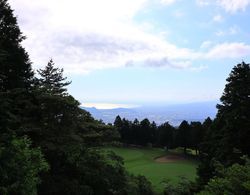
{"x":15,"y":66}
{"x":234,"y":110}
{"x":16,"y":75}
{"x":227,"y":138}
{"x":52,"y":80}
{"x":184,"y":135}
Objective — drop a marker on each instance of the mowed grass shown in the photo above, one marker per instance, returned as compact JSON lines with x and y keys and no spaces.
{"x":141,"y":161}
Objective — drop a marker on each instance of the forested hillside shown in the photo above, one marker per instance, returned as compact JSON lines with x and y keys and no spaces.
{"x":50,"y":146}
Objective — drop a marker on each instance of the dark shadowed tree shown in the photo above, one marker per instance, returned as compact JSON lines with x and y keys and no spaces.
{"x":15,"y":66}
{"x":234,"y":110}
{"x":196,"y":133}
{"x":184,"y":135}
{"x":165,"y":135}
{"x":52,"y":79}
{"x":145,"y":132}
{"x":20,"y":166}
{"x":227,"y":139}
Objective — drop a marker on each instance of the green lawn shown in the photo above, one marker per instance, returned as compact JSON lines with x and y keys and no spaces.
{"x":141,"y":161}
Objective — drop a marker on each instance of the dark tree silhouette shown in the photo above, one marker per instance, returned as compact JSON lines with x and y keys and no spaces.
{"x":227,"y":138}
{"x":184,"y":135}
{"x":15,"y":66}
{"x":52,"y":79}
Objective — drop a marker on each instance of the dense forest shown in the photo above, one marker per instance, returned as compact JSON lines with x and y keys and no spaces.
{"x":50,"y":146}
{"x":145,"y":133}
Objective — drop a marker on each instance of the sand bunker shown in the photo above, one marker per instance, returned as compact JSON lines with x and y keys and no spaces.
{"x":169,"y":158}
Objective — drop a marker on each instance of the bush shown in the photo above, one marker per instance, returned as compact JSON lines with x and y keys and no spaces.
{"x":183,"y":187}
{"x":20,"y":166}
{"x":139,"y":185}
{"x":232,"y":180}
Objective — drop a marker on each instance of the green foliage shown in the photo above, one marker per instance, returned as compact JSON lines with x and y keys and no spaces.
{"x":183,"y":135}
{"x":232,"y":180}
{"x":183,"y":187}
{"x":234,"y":111}
{"x":66,"y":134}
{"x":227,"y":138}
{"x":20,"y":166}
{"x":139,"y":185}
{"x":52,"y":80}
{"x":15,"y":67}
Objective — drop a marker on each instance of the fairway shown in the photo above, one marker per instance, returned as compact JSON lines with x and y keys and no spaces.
{"x":142,"y":161}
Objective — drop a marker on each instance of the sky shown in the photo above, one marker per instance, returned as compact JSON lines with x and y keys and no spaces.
{"x":127,"y":53}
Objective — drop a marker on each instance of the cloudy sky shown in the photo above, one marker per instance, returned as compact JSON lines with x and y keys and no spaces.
{"x":135,"y":52}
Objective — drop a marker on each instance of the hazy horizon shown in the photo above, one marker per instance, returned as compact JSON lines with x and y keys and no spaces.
{"x":102,"y":105}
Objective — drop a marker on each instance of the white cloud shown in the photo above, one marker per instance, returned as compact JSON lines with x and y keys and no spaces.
{"x":220,"y":33}
{"x":82,"y":36}
{"x":230,"y":6}
{"x":203,"y":2}
{"x":233,"y":30}
{"x":233,"y":6}
{"x":218,"y":18}
{"x":167,"y":2}
{"x":178,"y":13}
{"x":205,"y":44}
{"x":199,"y":68}
{"x":229,"y":50}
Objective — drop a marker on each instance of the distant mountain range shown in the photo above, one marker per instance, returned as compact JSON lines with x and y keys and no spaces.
{"x":174,"y":114}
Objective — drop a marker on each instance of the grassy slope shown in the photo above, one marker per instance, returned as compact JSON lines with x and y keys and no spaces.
{"x":141,"y":161}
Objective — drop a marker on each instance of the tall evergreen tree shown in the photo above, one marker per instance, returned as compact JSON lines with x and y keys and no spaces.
{"x":52,"y":80}
{"x":165,"y":135}
{"x":15,"y":66}
{"x":184,"y":135}
{"x":16,"y":75}
{"x":196,"y":135}
{"x":227,"y":138}
{"x":234,"y":110}
{"x":63,"y":132}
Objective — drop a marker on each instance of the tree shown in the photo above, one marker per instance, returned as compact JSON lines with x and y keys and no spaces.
{"x":15,"y":66}
{"x":196,"y":135}
{"x":183,"y":187}
{"x":234,"y":110}
{"x":16,"y":75}
{"x":227,"y":138}
{"x":145,"y":132}
{"x":139,"y":185}
{"x":165,"y":135}
{"x":118,"y":122}
{"x":184,"y":135}
{"x":20,"y":166}
{"x":52,"y":80}
{"x":232,"y":180}
{"x":207,"y":124}
{"x":153,"y":131}
{"x":66,"y":134}
{"x":136,"y":130}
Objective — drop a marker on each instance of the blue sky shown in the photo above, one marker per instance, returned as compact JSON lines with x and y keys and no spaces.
{"x":123,"y":53}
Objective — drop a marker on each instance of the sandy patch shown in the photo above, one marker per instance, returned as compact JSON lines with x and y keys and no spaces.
{"x":169,"y":158}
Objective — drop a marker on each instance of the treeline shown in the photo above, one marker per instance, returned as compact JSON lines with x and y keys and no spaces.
{"x":145,"y":133}
{"x":224,"y":166}
{"x":48,"y":145}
